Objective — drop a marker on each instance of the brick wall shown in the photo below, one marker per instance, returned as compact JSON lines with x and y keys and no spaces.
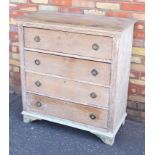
{"x":118,"y":8}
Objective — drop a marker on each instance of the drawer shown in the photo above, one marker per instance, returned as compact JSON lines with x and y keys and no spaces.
{"x":67,"y":42}
{"x":67,"y":110}
{"x":67,"y":90}
{"x":81,"y":70}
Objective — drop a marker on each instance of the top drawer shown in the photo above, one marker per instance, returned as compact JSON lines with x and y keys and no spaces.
{"x":69,"y":43}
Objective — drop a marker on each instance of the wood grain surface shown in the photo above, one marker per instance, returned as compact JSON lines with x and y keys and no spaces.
{"x":68,"y":90}
{"x":67,"y":110}
{"x":76,"y":69}
{"x":66,"y":42}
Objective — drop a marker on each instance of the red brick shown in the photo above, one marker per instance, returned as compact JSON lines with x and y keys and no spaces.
{"x":10,"y":48}
{"x":133,"y":6}
{"x":61,"y":2}
{"x":142,"y":75}
{"x":142,"y":114}
{"x":141,"y":90}
{"x":139,"y":26}
{"x":15,"y":14}
{"x":133,"y":112}
{"x":13,"y":36}
{"x":140,"y":106}
{"x":134,"y":74}
{"x":72,"y":10}
{"x":132,"y":105}
{"x":139,"y":34}
{"x":16,"y":83}
{"x":137,"y":98}
{"x":27,"y":7}
{"x":137,"y":119}
{"x":118,"y":14}
{"x":132,"y":89}
{"x":17,"y":76}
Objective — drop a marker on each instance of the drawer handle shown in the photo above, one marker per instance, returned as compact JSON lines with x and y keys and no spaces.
{"x":92,"y":116}
{"x":93,"y":95}
{"x":37,"y":62}
{"x":38,"y":83}
{"x":94,"y":72}
{"x":95,"y":46}
{"x":37,"y":39}
{"x":38,"y":104}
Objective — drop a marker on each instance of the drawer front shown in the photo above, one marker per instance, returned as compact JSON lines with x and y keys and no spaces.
{"x":72,"y":68}
{"x":70,"y":43}
{"x":67,"y":110}
{"x":67,"y":90}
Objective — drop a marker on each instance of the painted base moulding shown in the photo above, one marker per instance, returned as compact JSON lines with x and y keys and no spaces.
{"x":106,"y":137}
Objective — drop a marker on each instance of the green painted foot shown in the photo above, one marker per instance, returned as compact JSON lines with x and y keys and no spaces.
{"x":105,"y":139}
{"x":28,"y":119}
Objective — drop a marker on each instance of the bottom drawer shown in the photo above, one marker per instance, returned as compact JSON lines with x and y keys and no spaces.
{"x":67,"y":110}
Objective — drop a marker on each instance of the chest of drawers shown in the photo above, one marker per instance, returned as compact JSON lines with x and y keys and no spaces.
{"x":75,"y":70}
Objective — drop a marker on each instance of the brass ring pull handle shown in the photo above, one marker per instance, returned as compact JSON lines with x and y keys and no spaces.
{"x":38,"y":104}
{"x":37,"y":39}
{"x":95,"y":47}
{"x":92,"y":116}
{"x":94,"y":72}
{"x":93,"y":95}
{"x":38,"y":83}
{"x":37,"y":62}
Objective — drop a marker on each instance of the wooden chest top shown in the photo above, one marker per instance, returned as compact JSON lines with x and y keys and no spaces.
{"x":102,"y":24}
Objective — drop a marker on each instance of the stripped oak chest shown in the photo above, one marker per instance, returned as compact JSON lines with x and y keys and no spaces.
{"x":75,"y":70}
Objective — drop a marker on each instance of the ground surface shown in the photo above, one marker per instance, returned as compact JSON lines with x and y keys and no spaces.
{"x":46,"y":138}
